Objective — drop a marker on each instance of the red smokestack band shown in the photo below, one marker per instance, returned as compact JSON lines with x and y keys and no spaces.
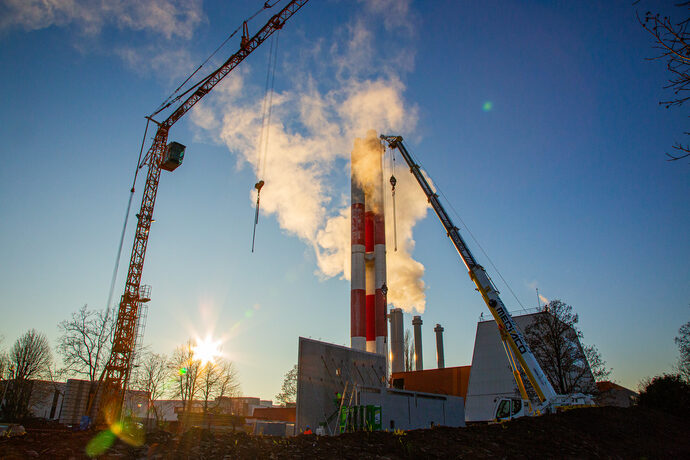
{"x":369,"y":231}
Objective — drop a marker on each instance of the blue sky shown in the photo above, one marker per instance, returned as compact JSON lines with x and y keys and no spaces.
{"x":563,"y":181}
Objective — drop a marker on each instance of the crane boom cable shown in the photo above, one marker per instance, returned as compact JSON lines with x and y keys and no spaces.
{"x":264,"y":108}
{"x":482,"y":249}
{"x":393,"y":181}
{"x":248,"y":46}
{"x":440,"y":190}
{"x":124,"y":226}
{"x":170,"y":101}
{"x":265,"y":127}
{"x":270,"y":100}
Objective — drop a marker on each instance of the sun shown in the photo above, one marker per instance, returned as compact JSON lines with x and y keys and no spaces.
{"x":207,"y":350}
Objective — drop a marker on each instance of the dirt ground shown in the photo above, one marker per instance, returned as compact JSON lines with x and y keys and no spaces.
{"x":583,"y":433}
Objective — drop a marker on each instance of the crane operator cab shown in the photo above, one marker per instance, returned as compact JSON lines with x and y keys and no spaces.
{"x":508,"y":409}
{"x":173,"y":157}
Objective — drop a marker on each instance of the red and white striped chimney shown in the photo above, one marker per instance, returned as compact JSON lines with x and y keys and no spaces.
{"x":379,"y":252}
{"x":357,"y":275}
{"x":368,"y":289}
{"x":369,"y":272}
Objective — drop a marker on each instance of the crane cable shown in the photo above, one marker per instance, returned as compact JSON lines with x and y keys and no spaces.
{"x":440,"y":190}
{"x":124,"y":226}
{"x":170,"y":101}
{"x":393,"y":181}
{"x":262,"y":150}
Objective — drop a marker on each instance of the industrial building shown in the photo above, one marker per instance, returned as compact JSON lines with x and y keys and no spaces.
{"x":333,"y":377}
{"x":491,"y":376}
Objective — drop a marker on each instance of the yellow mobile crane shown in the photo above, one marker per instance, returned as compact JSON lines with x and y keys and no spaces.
{"x":516,"y":347}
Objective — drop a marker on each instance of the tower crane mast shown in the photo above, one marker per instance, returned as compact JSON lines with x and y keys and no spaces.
{"x":119,"y":366}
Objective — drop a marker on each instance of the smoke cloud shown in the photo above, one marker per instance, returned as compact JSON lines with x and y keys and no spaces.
{"x":311,"y":135}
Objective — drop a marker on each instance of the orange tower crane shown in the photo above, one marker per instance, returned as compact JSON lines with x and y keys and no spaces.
{"x":162,"y":155}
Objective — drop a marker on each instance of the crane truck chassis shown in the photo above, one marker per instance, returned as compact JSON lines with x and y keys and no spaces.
{"x":516,"y":347}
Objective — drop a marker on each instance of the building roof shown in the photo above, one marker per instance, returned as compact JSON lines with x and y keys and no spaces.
{"x":280,"y":414}
{"x":447,"y":381}
{"x":608,"y":386}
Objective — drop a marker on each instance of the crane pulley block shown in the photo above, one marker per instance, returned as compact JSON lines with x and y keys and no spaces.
{"x":174,"y":155}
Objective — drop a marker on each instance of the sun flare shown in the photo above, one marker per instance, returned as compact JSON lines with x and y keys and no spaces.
{"x":207,"y":350}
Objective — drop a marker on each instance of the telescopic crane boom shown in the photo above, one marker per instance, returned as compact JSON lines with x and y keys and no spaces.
{"x":119,"y":366}
{"x":514,"y":341}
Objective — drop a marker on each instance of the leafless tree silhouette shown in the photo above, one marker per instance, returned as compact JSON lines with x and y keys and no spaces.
{"x":672,"y":40}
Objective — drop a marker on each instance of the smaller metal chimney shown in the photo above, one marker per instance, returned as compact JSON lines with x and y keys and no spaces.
{"x":439,"y":346}
{"x":397,"y":357}
{"x":417,"y":325}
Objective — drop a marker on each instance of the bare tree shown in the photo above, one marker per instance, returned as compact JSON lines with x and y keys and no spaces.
{"x":29,"y":358}
{"x":4,"y":370}
{"x":151,"y":377}
{"x":683,"y":342}
{"x":4,"y":361}
{"x":86,"y":339}
{"x":600,"y":371}
{"x":288,"y":391}
{"x":217,"y":380}
{"x":672,"y":40}
{"x":185,"y":370}
{"x":554,"y":340}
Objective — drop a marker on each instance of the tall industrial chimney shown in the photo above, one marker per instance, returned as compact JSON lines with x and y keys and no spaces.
{"x":368,"y":304}
{"x":397,"y":341}
{"x":358,"y":338}
{"x":439,"y":346}
{"x":380,"y":301}
{"x":417,"y":326}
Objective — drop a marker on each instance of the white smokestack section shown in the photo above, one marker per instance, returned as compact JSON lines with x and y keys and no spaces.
{"x":397,"y":357}
{"x":439,"y":346}
{"x":417,"y":326}
{"x":370,"y":301}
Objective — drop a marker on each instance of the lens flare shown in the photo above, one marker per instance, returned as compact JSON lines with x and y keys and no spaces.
{"x":207,"y":350}
{"x":488,"y":105}
{"x":129,"y":432}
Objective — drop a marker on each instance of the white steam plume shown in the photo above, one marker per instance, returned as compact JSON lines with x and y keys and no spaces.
{"x":311,"y":132}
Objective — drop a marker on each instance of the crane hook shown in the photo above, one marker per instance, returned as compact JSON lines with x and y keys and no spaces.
{"x":258,"y":187}
{"x":395,"y":224}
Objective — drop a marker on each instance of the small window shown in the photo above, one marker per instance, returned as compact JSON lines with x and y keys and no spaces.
{"x":503,"y":410}
{"x":517,"y":405}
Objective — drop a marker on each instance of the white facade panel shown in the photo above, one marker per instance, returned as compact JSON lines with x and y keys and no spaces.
{"x":491,"y":376}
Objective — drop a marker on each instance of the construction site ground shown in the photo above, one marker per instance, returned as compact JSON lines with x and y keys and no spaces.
{"x":582,"y":433}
